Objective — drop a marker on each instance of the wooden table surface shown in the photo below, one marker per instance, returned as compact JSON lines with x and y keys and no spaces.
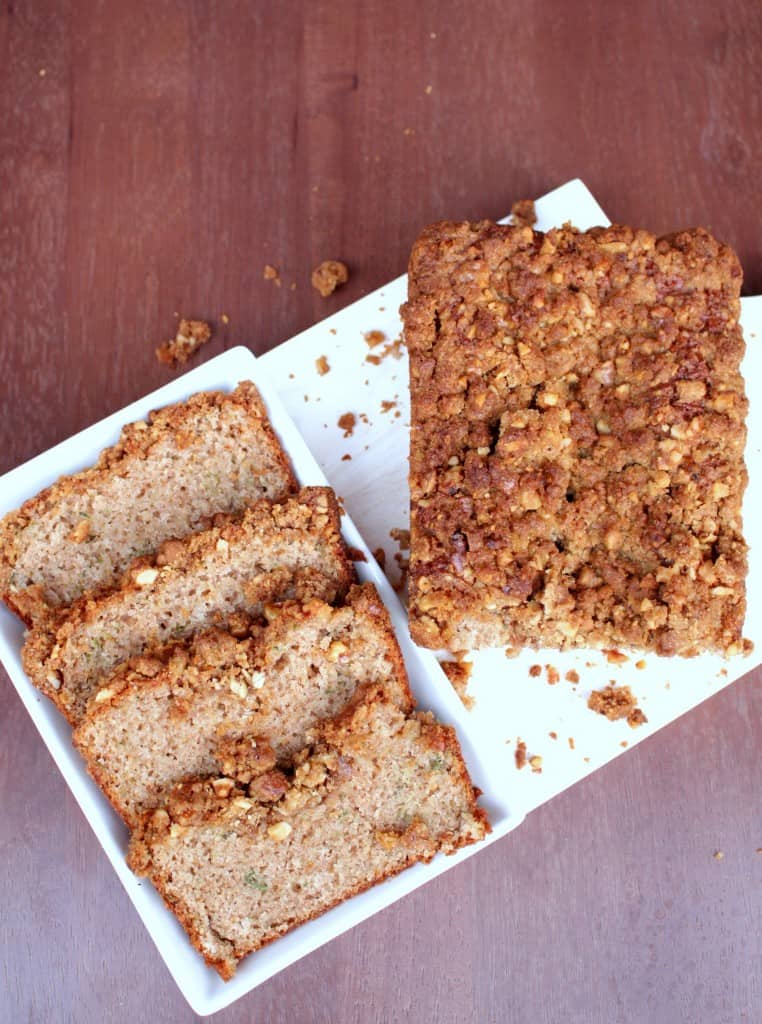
{"x":153,"y":157}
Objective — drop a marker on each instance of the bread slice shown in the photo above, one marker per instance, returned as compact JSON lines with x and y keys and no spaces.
{"x":214,"y":453}
{"x":189,"y":708}
{"x":374,"y":792}
{"x":273,"y":552}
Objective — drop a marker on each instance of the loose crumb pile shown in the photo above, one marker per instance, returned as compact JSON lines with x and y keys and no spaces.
{"x":330,"y":275}
{"x":391,"y":348}
{"x":615,"y":703}
{"x":322,"y":365}
{"x":459,"y":673}
{"x":523,"y":212}
{"x":347,"y":422}
{"x":191,"y":335}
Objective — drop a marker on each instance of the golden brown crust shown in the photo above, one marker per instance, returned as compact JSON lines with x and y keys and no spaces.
{"x":577,"y":439}
{"x":135,"y":443}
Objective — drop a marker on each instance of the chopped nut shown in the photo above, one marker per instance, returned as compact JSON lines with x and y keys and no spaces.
{"x":388,"y":839}
{"x":223,"y":787}
{"x":336,"y":650}
{"x":238,"y":688}
{"x":54,"y":680}
{"x":222,"y":546}
{"x":80,"y":532}
{"x":279,"y":831}
{"x":146,"y":577}
{"x":105,"y":694}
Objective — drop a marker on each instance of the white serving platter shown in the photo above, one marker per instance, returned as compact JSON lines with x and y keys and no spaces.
{"x":200,"y":985}
{"x":509,"y":702}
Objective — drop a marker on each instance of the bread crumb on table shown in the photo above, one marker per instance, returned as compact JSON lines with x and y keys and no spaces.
{"x":572,"y":676}
{"x":718,"y":855}
{"x":459,"y":673}
{"x":535,"y":763}
{"x":271,"y":273}
{"x":322,"y":365}
{"x":347,"y":422}
{"x":552,"y":674}
{"x":523,"y":213}
{"x":535,"y":671}
{"x":520,"y":754}
{"x":190,"y":336}
{"x":373,"y":338}
{"x":391,"y":348}
{"x":402,"y":536}
{"x":329,"y":276}
{"x":380,"y":556}
{"x":615,"y":657}
{"x":615,"y":703}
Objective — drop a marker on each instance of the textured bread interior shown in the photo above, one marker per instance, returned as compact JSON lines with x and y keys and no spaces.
{"x":273,"y":552}
{"x":174,"y":714}
{"x":165,"y":478}
{"x":375,"y":791}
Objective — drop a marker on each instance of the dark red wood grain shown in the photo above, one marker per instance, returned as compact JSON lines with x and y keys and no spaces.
{"x":153,"y":157}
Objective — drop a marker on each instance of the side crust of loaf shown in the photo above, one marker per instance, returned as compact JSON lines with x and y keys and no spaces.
{"x":333,"y":814}
{"x":82,"y":532}
{"x":176,"y":711}
{"x":577,"y":440}
{"x":272,"y":552}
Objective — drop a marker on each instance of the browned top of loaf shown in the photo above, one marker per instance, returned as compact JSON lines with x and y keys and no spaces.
{"x":164,"y":478}
{"x":292,"y":549}
{"x":374,"y":792}
{"x":578,"y":426}
{"x":174,"y":713}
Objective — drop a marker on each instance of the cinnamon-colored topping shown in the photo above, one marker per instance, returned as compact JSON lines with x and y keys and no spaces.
{"x":327,"y":277}
{"x":576,"y":460}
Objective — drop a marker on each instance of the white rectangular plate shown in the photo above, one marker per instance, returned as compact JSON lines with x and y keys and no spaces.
{"x":200,"y":985}
{"x":373,"y":484}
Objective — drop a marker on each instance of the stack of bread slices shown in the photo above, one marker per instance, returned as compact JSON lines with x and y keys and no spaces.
{"x":240,"y":699}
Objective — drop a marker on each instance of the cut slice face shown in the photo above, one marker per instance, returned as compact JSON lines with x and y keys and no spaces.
{"x":240,"y":706}
{"x":375,"y":791}
{"x":291,"y":550}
